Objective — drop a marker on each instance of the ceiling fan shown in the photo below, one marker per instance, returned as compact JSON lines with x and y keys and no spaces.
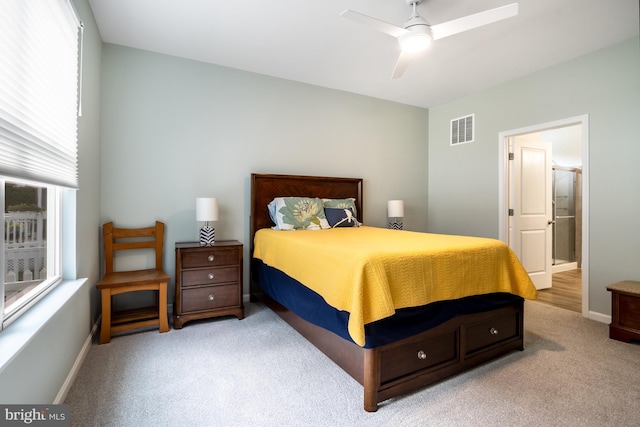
{"x":417,"y":34}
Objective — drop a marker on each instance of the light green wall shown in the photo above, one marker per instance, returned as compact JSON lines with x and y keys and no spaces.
{"x":175,"y":129}
{"x":39,"y":370}
{"x":463,"y":180}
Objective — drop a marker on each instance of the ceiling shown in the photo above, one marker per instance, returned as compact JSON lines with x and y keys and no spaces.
{"x":566,"y":142}
{"x":308,"y":41}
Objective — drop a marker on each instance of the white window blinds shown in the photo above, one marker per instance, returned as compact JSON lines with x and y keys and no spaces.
{"x":39,"y":91}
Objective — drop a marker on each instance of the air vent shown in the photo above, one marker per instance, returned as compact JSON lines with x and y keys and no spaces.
{"x":462,"y":130}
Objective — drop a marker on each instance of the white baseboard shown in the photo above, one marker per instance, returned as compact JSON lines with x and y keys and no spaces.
{"x":71,"y":377}
{"x":599,"y":317}
{"x":564,"y":267}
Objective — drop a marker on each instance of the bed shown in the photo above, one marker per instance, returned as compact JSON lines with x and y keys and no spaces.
{"x":389,"y":353}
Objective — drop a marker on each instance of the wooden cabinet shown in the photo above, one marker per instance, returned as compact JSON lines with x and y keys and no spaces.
{"x":208,"y":281}
{"x":625,"y":311}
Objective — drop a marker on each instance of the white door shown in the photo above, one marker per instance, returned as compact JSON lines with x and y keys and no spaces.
{"x":531,"y":201}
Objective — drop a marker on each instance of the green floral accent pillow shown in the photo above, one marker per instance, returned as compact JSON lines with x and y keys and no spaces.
{"x":298,"y":213}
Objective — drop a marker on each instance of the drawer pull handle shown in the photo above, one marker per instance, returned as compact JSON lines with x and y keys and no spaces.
{"x":211,"y":297}
{"x":493,"y":331}
{"x":211,"y":258}
{"x":211,"y":276}
{"x":422,"y":355}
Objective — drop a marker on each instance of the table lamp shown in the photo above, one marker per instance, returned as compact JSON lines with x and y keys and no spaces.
{"x":207,"y":210}
{"x":395,"y":214}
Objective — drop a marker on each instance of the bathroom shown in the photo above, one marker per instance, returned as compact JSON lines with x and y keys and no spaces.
{"x":567,"y":197}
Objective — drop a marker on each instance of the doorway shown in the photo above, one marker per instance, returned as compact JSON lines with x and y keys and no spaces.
{"x":569,"y":141}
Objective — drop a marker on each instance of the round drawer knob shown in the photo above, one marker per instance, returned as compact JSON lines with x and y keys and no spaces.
{"x":211,"y":258}
{"x":422,"y":355}
{"x":211,"y":276}
{"x":493,"y":331}
{"x":211,"y":297}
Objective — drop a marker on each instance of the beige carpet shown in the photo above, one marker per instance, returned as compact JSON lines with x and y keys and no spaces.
{"x":260,"y":372}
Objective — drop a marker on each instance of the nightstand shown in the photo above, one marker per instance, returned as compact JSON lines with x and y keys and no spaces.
{"x":208,"y":281}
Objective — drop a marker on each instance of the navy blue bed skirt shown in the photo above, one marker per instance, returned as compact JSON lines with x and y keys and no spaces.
{"x":406,"y":322}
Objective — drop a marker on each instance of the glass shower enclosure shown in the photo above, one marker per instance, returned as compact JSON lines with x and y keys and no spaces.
{"x":566,"y":211}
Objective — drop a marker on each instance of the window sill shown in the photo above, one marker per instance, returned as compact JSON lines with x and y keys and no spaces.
{"x":18,"y":334}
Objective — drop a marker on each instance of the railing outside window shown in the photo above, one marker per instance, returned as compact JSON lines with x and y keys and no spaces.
{"x":25,"y":253}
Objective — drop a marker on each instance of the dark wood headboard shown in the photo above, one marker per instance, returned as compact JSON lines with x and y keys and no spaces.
{"x":266,"y":187}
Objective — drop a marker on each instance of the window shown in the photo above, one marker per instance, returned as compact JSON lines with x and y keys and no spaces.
{"x":40,"y":42}
{"x":30,"y":245}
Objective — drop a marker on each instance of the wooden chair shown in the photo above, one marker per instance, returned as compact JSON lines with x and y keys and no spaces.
{"x":114,"y":283}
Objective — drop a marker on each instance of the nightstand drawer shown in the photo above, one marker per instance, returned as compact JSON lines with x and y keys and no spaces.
{"x":209,"y":276}
{"x":213,"y":257}
{"x":210,"y":297}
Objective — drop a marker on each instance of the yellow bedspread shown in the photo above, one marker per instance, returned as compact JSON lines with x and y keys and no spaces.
{"x":370,"y":272}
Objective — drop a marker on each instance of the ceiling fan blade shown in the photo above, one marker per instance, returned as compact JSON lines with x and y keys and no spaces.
{"x":474,"y":21}
{"x":374,"y":23}
{"x":401,"y":64}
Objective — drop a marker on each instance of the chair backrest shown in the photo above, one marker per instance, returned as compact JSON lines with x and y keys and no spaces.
{"x":120,"y":239}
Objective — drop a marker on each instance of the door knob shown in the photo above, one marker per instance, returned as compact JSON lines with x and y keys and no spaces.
{"x":550,"y":222}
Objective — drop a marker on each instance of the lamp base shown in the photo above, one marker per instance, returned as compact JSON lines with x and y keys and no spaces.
{"x":207,"y":236}
{"x":394,"y":223}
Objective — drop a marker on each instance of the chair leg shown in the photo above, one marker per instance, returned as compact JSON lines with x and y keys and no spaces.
{"x":162,"y":308}
{"x":105,"y":329}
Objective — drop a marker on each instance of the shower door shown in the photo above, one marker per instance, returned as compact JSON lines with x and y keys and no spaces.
{"x":564,"y":209}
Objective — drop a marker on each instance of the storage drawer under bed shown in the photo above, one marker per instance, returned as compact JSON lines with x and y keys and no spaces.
{"x":455,"y":342}
{"x":425,"y":353}
{"x":490,"y":332}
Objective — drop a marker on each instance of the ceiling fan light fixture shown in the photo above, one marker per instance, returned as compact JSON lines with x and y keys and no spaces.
{"x":415,"y":41}
{"x":417,"y":34}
